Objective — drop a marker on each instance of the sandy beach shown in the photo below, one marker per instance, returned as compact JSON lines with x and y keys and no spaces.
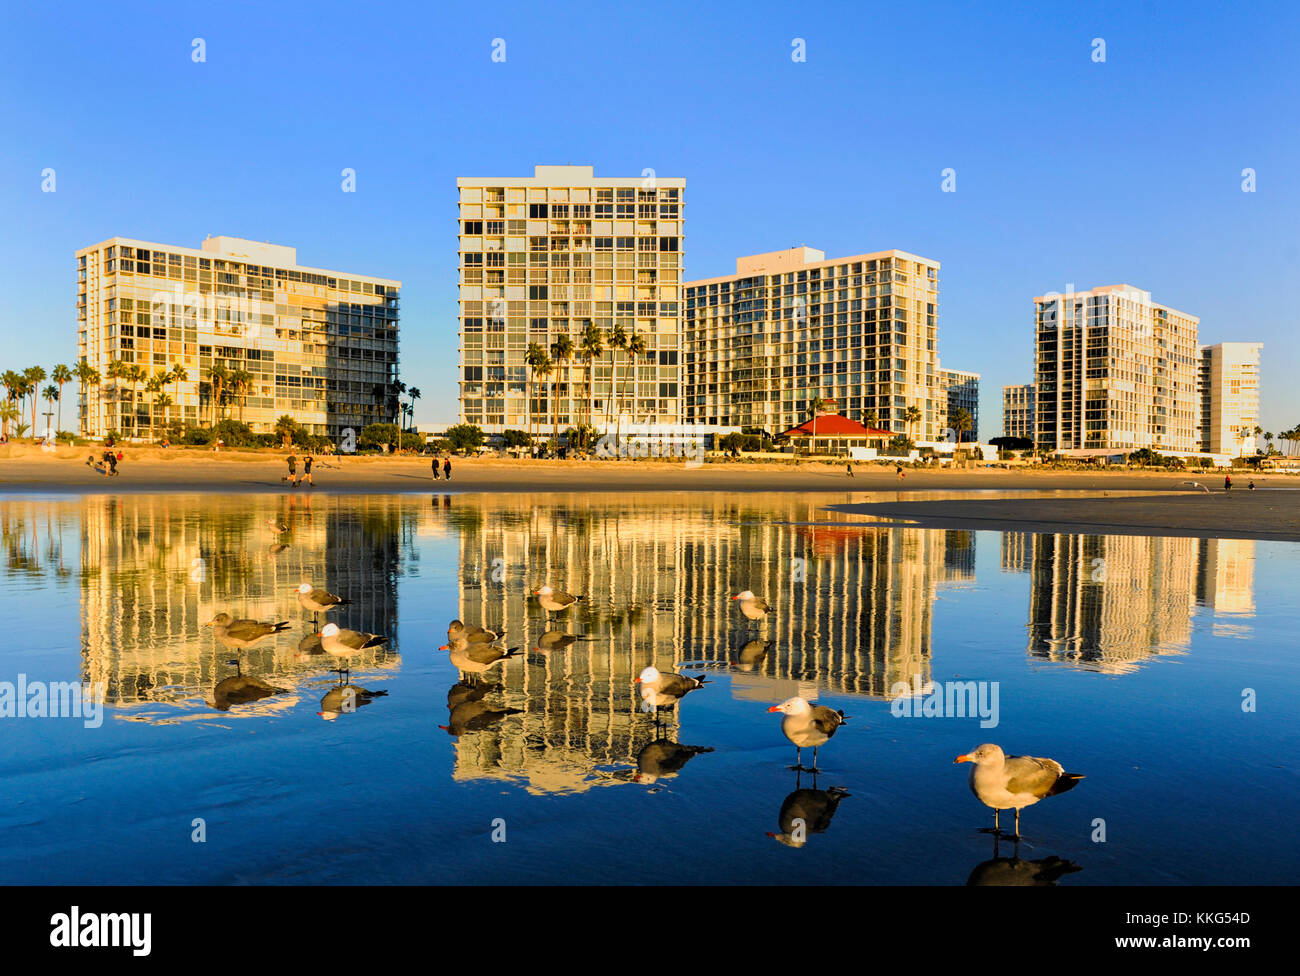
{"x":1137,"y":501}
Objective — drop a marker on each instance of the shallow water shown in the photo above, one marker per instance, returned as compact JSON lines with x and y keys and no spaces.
{"x":1126,"y":658}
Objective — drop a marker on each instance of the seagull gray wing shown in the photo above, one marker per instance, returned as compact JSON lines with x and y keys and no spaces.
{"x":1027,"y":774}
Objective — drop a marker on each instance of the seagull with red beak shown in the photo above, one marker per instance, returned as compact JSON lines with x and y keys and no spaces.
{"x":1014,"y":782}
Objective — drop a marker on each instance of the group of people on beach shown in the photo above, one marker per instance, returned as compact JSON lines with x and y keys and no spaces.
{"x":292,"y":477}
{"x":446,"y":468}
{"x":107,"y":464}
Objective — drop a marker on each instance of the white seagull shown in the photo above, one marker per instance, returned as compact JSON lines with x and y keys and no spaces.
{"x":808,"y":725}
{"x":1014,"y":782}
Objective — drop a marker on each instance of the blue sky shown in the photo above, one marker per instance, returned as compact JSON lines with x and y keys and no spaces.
{"x":1068,"y":171}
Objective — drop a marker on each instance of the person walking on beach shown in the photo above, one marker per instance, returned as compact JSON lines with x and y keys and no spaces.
{"x":435,"y":467}
{"x":306,"y":470}
{"x":1227,"y":482}
{"x":1251,"y":486}
{"x":111,"y":460}
{"x":293,"y":470}
{"x":899,"y":472}
{"x":849,"y":468}
{"x":446,"y":469}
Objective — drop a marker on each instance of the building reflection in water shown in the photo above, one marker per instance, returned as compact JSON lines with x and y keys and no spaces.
{"x":1107,"y":603}
{"x":155,"y":568}
{"x":852,"y":614}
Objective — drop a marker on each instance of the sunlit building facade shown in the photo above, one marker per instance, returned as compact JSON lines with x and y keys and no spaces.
{"x":1114,"y":371}
{"x":1228,"y":391}
{"x":551,"y":255}
{"x":1018,"y":411}
{"x":320,"y":346}
{"x":791,"y":327}
{"x":962,"y":392}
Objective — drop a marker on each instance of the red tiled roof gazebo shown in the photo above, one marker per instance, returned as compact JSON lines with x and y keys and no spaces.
{"x":841,"y":432}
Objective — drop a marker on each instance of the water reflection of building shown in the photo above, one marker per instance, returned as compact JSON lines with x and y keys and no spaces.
{"x":853,"y":612}
{"x":1108,"y":602}
{"x":1225,"y":584}
{"x":1017,"y":552}
{"x":154,"y":569}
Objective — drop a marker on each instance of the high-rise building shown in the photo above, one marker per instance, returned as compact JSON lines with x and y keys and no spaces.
{"x":790,"y":327}
{"x":553,"y":255}
{"x":1228,"y":391}
{"x":963,"y":393}
{"x":320,"y":346}
{"x":1018,"y":411}
{"x":1114,"y":371}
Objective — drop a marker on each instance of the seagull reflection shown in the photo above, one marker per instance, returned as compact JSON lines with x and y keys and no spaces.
{"x":555,"y":640}
{"x":1045,"y":872}
{"x":469,"y":713}
{"x":345,"y":699}
{"x":309,"y":646}
{"x":241,"y":690}
{"x":750,"y":657}
{"x":807,"y":811}
{"x":663,"y":758}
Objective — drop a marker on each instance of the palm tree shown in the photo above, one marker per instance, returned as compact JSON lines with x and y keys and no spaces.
{"x":561,"y":353}
{"x":8,"y":414}
{"x":61,"y":374}
{"x":544,"y":369}
{"x":1268,"y":440}
{"x":49,"y":395}
{"x":961,"y":422}
{"x":116,"y":372}
{"x":241,"y":380}
{"x":13,"y":382}
{"x":618,"y":340}
{"x":154,"y":385}
{"x":34,"y":375}
{"x":816,"y":408}
{"x":636,"y":348}
{"x":136,"y":375}
{"x":912,"y":415}
{"x":218,"y":377}
{"x":163,"y":401}
{"x":591,"y":346}
{"x":87,"y":376}
{"x":179,"y":376}
{"x":533,"y":359}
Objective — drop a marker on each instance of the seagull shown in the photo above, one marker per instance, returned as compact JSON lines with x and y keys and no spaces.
{"x":808,"y":725}
{"x":319,"y":601}
{"x":554,"y":601}
{"x":751,"y":606}
{"x":807,"y":812}
{"x":457,"y":631}
{"x":275,"y":525}
{"x":1014,"y":782}
{"x":477,"y":657}
{"x":1011,"y":871}
{"x":239,"y":635}
{"x":345,"y":699}
{"x":665,"y":689}
{"x":344,"y":643}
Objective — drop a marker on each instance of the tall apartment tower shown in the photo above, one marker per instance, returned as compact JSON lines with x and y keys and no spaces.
{"x":1018,"y":411}
{"x":790,"y":327}
{"x":320,"y":346}
{"x":1114,"y":371}
{"x":962,"y":390}
{"x":1228,"y":391}
{"x":553,"y":255}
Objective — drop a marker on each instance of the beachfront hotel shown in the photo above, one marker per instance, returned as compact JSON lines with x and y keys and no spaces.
{"x":1228,"y":392}
{"x":962,"y":390}
{"x":548,"y":256}
{"x":1114,"y":372}
{"x":320,"y":346}
{"x":789,"y":327}
{"x":1018,"y":411}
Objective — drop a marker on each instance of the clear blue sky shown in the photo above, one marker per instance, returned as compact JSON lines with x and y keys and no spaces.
{"x":1068,"y":171}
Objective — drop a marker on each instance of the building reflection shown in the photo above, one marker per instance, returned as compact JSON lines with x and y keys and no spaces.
{"x":155,"y":568}
{"x":853,"y":613}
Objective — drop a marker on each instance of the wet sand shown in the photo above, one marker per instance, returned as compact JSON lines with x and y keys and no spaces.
{"x":1140,"y":502}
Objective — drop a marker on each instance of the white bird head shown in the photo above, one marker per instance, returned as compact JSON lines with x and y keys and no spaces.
{"x":792,"y":706}
{"x":649,"y":674}
{"x":330,"y":630}
{"x":746,"y":595}
{"x":986,"y":755}
{"x":543,"y":591}
{"x":304,"y":588}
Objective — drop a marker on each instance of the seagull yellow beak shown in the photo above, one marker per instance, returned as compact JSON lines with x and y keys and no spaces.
{"x":775,"y":708}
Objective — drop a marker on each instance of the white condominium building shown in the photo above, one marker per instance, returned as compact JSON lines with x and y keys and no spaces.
{"x":1018,"y":411}
{"x":565,"y":253}
{"x":1228,"y":388}
{"x":1114,"y":371}
{"x":791,"y":327}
